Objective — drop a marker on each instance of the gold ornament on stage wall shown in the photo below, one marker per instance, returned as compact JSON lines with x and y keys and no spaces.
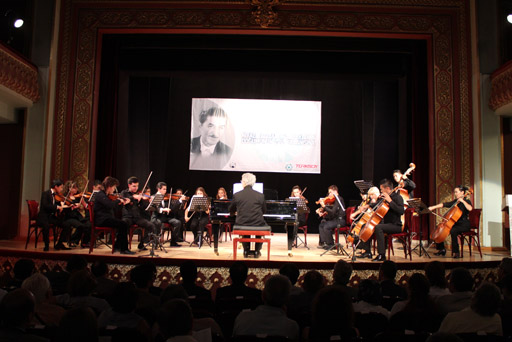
{"x":264,"y":14}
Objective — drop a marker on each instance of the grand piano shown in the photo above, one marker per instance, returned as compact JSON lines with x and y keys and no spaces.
{"x":278,"y":212}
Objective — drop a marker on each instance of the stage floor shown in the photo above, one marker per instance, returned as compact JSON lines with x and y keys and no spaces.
{"x":278,"y":254}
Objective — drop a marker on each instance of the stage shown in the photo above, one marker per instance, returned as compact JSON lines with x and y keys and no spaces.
{"x":214,"y":269}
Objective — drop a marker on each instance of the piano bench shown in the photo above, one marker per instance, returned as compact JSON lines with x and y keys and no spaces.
{"x":259,"y":237}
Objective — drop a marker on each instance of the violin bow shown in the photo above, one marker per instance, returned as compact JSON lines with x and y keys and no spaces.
{"x":170,"y":198}
{"x":83,"y":193}
{"x":146,"y":184}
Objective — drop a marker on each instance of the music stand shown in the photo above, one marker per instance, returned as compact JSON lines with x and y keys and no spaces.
{"x":420,"y":208}
{"x":302,"y":208}
{"x":156,"y":200}
{"x":154,"y":239}
{"x":200,"y":204}
{"x":363,"y":186}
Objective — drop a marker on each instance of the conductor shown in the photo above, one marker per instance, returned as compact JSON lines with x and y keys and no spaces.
{"x":249,"y":206}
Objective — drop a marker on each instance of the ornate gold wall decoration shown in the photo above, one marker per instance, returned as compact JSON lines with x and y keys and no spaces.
{"x":18,"y":74}
{"x":501,"y":87}
{"x":264,"y":13}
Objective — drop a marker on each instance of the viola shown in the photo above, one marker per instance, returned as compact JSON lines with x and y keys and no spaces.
{"x":451,"y":217}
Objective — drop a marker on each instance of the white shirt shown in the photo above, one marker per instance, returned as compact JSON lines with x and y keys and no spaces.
{"x":207,"y":150}
{"x":266,"y":320}
{"x":468,"y":321}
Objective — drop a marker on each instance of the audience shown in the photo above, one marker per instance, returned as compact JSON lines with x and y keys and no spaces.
{"x":369,"y":298}
{"x":436,"y":276}
{"x":461,"y":288}
{"x":332,"y":316}
{"x":300,"y":305}
{"x":46,"y":312}
{"x":175,"y":321}
{"x":104,"y":285}
{"x":341,"y":277}
{"x":480,"y":317}
{"x":143,"y":277}
{"x":200,"y":299}
{"x":238,"y":272}
{"x":16,"y":311}
{"x":505,"y":310}
{"x":291,"y":271}
{"x":270,"y":318}
{"x":419,"y":312}
{"x":59,"y":280}
{"x":391,"y":291}
{"x":23,"y":268}
{"x":78,"y":325}
{"x":504,"y":269}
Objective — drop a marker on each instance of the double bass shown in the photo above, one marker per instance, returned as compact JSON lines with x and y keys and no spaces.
{"x":449,"y":219}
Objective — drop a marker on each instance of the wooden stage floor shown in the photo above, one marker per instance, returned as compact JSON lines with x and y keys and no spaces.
{"x":278,"y":254}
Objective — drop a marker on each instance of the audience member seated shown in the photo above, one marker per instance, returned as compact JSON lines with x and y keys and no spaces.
{"x":480,"y":317}
{"x":122,"y":311}
{"x":175,"y":321}
{"x":436,"y":276}
{"x":505,"y":310}
{"x":78,"y":325}
{"x":80,"y":286}
{"x":104,"y":285}
{"x":369,"y":298}
{"x":59,"y":280}
{"x":23,"y":268}
{"x":391,"y":291}
{"x":148,"y":304}
{"x":299,"y":306}
{"x":200,"y":299}
{"x":16,"y":311}
{"x":419,"y":313}
{"x":270,"y":318}
{"x":461,"y":287}
{"x":238,"y":273}
{"x":341,"y":277}
{"x":291,"y":271}
{"x":332,"y":316}
{"x":504,"y":269}
{"x":46,"y":312}
{"x":174,"y":291}
{"x":443,"y":337}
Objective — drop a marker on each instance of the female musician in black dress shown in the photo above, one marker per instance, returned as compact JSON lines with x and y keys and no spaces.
{"x":198,"y":219}
{"x":462,"y":224}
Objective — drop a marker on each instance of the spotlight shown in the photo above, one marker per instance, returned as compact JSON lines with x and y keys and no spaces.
{"x":509,"y":18}
{"x":18,"y":23}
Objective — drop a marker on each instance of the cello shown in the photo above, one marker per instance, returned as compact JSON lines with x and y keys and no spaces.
{"x":449,"y":219}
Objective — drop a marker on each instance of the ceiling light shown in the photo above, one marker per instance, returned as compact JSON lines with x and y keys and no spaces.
{"x":18,"y":23}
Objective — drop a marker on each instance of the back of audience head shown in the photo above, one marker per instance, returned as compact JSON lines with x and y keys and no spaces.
{"x":332,"y":312}
{"x":291,"y":271}
{"x":444,"y":337}
{"x":505,"y":268}
{"x":173,"y":291}
{"x":238,"y":272}
{"x":99,"y":269}
{"x":23,"y":268}
{"x":40,"y":287}
{"x":124,"y":298}
{"x":418,"y":288}
{"x":387,"y":270}
{"x":369,"y":291}
{"x":314,"y":281}
{"x":486,"y":300}
{"x":276,"y":291}
{"x":175,"y":318}
{"x":81,"y":284}
{"x":506,"y":287}
{"x":436,"y":274}
{"x":17,"y":308}
{"x":342,"y":272}
{"x":188,"y":270}
{"x":76,"y":263}
{"x":78,"y":325}
{"x":143,"y":275}
{"x":461,"y":280}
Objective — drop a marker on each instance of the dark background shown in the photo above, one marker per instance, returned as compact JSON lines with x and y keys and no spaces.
{"x":373,"y":94}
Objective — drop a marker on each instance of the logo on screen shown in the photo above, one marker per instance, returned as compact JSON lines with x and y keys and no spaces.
{"x":232,"y":165}
{"x":289,"y":167}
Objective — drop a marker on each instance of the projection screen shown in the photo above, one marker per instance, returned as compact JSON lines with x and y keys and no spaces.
{"x":255,"y":135}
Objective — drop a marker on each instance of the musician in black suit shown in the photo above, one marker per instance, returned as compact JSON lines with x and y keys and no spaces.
{"x":392,"y":221}
{"x":207,"y":150}
{"x":49,"y":213}
{"x":104,"y":213}
{"x":76,"y":216}
{"x":333,"y":216}
{"x":134,"y":213}
{"x":249,"y":206}
{"x":162,"y":214}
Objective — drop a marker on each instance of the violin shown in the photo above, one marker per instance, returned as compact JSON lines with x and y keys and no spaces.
{"x":327,"y":200}
{"x":174,"y":197}
{"x":449,"y":219}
